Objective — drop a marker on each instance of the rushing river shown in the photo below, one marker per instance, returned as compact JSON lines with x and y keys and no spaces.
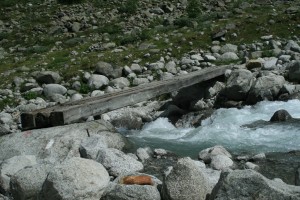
{"x":226,"y":127}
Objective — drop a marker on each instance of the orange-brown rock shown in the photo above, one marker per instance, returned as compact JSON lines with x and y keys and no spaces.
{"x":138,"y":180}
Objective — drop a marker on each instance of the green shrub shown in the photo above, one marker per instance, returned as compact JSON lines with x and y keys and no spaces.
{"x":30,"y":95}
{"x":84,"y":88}
{"x":193,"y":8}
{"x":182,"y":22}
{"x":129,"y":7}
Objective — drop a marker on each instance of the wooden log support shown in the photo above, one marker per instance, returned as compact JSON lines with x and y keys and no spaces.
{"x":73,"y":111}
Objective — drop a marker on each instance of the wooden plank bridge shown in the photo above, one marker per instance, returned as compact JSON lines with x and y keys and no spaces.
{"x":70,"y":112}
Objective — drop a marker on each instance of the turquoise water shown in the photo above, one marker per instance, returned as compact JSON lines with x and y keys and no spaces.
{"x":226,"y":127}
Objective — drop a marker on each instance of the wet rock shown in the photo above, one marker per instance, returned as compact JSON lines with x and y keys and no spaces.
{"x":238,"y":85}
{"x":117,"y":162}
{"x":48,"y":77}
{"x":258,"y":157}
{"x":294,"y":71}
{"x":280,"y":116}
{"x":207,"y":154}
{"x":10,"y":167}
{"x":250,"y":184}
{"x":108,"y":70}
{"x":27,"y":183}
{"x":185,"y":182}
{"x":76,"y":178}
{"x":97,"y":81}
{"x":265,"y":87}
{"x":51,"y":89}
{"x":250,"y":165}
{"x":129,"y":192}
{"x":129,"y":120}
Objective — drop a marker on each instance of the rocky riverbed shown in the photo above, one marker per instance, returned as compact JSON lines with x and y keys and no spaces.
{"x":52,"y":53}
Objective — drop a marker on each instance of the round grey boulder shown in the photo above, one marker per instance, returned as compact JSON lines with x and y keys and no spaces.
{"x":281,"y":116}
{"x":229,"y":56}
{"x":97,"y":81}
{"x":220,"y":162}
{"x":185,"y":182}
{"x":238,"y":84}
{"x":51,"y":89}
{"x":117,"y":162}
{"x":108,"y":70}
{"x":207,"y":154}
{"x":76,"y":178}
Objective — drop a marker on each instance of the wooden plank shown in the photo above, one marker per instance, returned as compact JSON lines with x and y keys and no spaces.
{"x":73,"y":111}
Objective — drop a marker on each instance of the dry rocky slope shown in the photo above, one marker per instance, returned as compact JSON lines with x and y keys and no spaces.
{"x":52,"y":53}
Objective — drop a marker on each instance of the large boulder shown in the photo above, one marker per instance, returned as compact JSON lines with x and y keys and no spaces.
{"x":249,"y":184}
{"x":108,"y":70}
{"x":238,"y":84}
{"x":129,"y":192}
{"x":265,"y":88}
{"x":27,"y":183}
{"x":294,"y":71}
{"x":51,"y":89}
{"x":185,"y":182}
{"x":76,"y":178}
{"x":58,"y":143}
{"x":97,"y":81}
{"x":117,"y":162}
{"x":280,"y":116}
{"x":48,"y":77}
{"x":11,"y":166}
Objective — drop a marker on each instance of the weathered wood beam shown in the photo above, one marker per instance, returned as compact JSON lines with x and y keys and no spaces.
{"x":73,"y":111}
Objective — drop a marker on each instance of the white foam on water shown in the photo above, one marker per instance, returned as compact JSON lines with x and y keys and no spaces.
{"x":225,"y":127}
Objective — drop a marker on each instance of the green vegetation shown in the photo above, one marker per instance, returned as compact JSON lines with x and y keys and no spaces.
{"x":34,"y":42}
{"x":30,"y":95}
{"x":129,"y":7}
{"x":7,"y":102}
{"x":193,"y":9}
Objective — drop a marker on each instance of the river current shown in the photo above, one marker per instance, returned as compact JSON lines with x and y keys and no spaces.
{"x":226,"y":127}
